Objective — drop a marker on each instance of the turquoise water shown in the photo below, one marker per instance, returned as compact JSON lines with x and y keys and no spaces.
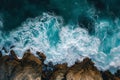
{"x":66,"y":43}
{"x":65,"y":30}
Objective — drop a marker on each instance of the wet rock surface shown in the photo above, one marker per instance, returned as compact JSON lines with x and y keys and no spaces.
{"x":27,"y":68}
{"x":107,"y":75}
{"x":31,"y":67}
{"x":117,"y":73}
{"x":84,"y":70}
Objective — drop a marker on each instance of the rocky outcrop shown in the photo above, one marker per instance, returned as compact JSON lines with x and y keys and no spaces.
{"x":107,"y":75}
{"x":117,"y":74}
{"x":31,"y":67}
{"x":79,"y":71}
{"x":83,"y":70}
{"x":59,"y":72}
{"x":28,"y":68}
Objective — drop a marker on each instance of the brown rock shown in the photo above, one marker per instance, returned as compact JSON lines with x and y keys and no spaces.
{"x":13,"y":55}
{"x":28,"y":68}
{"x":59,"y":72}
{"x":83,"y":71}
{"x":6,"y":67}
{"x":31,"y":67}
{"x":41,"y":56}
{"x":27,"y":73}
{"x":29,"y":57}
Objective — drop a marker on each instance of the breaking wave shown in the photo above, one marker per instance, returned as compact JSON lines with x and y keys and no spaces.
{"x":65,"y":43}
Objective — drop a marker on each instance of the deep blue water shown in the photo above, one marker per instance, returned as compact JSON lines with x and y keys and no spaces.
{"x":65,"y":30}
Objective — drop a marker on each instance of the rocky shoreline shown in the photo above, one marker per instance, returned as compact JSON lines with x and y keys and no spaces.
{"x":31,"y":67}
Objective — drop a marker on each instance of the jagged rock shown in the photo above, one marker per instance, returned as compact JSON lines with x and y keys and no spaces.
{"x":28,"y":68}
{"x":4,"y":49}
{"x":29,"y":57}
{"x":13,"y":55}
{"x":47,"y":71}
{"x":31,"y":67}
{"x":7,"y":67}
{"x":27,"y":73}
{"x":0,"y":54}
{"x":41,"y":56}
{"x":83,"y":71}
{"x":107,"y":75}
{"x":117,"y":74}
{"x":59,"y":72}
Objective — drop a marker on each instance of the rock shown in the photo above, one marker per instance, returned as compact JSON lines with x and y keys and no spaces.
{"x":30,"y":60}
{"x":27,"y":73}
{"x":13,"y":55}
{"x":7,"y":67}
{"x":28,"y":57}
{"x":47,"y":71}
{"x":59,"y":72}
{"x":117,"y":74}
{"x":107,"y":75}
{"x":31,"y":67}
{"x":12,"y":46}
{"x":27,"y":68}
{"x":0,"y":54}
{"x":83,"y":71}
{"x":4,"y":49}
{"x":41,"y":56}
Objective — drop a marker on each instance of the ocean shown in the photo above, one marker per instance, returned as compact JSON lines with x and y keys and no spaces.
{"x":64,"y":30}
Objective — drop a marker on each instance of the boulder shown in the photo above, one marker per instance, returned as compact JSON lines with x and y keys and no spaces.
{"x":27,"y":68}
{"x":84,"y":70}
{"x":59,"y":72}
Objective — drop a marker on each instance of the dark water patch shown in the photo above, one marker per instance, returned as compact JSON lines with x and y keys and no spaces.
{"x":87,"y":23}
{"x":17,"y":11}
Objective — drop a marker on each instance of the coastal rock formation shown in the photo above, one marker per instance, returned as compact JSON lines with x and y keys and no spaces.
{"x":28,"y":68}
{"x":107,"y":75}
{"x":31,"y":67}
{"x":117,"y":73}
{"x":83,"y":71}
{"x":59,"y":72}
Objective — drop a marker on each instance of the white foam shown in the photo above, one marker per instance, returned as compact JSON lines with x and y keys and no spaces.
{"x":60,"y":43}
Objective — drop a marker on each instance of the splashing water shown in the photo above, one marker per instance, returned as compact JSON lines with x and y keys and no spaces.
{"x":61,"y":44}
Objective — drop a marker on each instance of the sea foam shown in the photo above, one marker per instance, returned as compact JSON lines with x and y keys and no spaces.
{"x":60,"y":43}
